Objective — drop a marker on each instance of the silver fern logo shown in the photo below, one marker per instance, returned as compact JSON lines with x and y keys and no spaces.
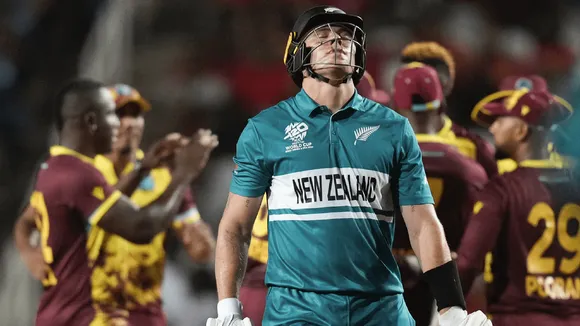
{"x":363,"y":133}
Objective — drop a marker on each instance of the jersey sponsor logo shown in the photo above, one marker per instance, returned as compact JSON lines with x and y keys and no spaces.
{"x":296,"y":132}
{"x":363,"y":133}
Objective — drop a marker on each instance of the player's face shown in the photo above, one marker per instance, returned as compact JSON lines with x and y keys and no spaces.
{"x":107,"y":122}
{"x":508,"y":132}
{"x":333,"y":50}
{"x":131,"y":128}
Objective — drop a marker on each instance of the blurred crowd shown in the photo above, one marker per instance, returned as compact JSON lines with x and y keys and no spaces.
{"x":216,"y":63}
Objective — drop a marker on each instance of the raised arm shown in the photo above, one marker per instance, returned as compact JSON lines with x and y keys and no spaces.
{"x":198,"y":240}
{"x":118,"y":214}
{"x":195,"y":234}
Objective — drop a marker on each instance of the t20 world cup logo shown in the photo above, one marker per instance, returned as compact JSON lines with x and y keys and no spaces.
{"x":296,"y":131}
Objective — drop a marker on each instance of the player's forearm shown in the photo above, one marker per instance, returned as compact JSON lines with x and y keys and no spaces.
{"x":231,"y":258}
{"x":140,"y":225}
{"x":22,"y":232}
{"x":429,"y":243}
{"x":129,"y":183}
{"x":199,"y":241}
{"x":158,"y":216}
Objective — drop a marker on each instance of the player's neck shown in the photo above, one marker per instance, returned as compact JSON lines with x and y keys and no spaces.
{"x":429,"y":123}
{"x":334,"y":97}
{"x":528,"y":151}
{"x":78,"y":145}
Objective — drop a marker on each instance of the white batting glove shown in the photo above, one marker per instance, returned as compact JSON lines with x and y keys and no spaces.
{"x":456,"y":316}
{"x":229,"y":314}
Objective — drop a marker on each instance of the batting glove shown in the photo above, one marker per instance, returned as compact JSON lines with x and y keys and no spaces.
{"x":456,"y":316}
{"x":229,"y":314}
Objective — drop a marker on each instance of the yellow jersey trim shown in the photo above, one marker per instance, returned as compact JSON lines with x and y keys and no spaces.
{"x":446,"y":136}
{"x":542,"y":164}
{"x":104,"y":207}
{"x":446,"y":130}
{"x":61,"y":150}
{"x":506,"y":165}
{"x":191,"y":216}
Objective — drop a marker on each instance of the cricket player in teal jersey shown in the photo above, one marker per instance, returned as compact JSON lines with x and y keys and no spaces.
{"x":337,"y":167}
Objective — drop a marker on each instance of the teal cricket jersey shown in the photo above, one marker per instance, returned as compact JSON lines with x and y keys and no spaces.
{"x":335,"y":182}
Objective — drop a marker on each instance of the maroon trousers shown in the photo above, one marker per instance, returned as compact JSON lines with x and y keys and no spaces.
{"x":254,"y":301}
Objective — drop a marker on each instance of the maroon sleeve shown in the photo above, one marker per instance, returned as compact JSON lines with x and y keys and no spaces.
{"x":91,"y":194}
{"x":486,"y":156}
{"x":475,"y":180}
{"x":482,"y":230}
{"x":485,"y":152}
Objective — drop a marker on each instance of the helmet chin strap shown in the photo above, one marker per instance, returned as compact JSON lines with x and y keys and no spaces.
{"x":318,"y":76}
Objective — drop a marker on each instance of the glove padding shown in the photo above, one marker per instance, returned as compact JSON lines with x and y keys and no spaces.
{"x":231,"y":320}
{"x":456,"y":316}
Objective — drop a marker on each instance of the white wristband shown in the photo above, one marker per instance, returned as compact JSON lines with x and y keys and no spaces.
{"x":228,"y":307}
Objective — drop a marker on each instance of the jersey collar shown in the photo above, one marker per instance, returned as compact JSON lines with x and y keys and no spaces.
{"x":304,"y":102}
{"x":446,"y":131}
{"x":445,"y":135}
{"x":61,"y":150}
{"x":543,"y":164}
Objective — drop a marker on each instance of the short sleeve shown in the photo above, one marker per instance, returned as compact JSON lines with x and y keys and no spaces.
{"x":483,"y":228}
{"x":411,"y":180}
{"x":94,"y":196}
{"x":187,"y":213}
{"x":250,"y":178}
{"x":486,"y":157}
{"x":484,"y":223}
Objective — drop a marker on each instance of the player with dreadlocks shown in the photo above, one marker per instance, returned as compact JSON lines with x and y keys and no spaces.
{"x":470,"y":144}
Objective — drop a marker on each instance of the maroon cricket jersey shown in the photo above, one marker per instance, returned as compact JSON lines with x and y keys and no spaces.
{"x":484,"y":151}
{"x":258,"y":250}
{"x":529,"y":220}
{"x":454,"y":180}
{"x":70,"y":197}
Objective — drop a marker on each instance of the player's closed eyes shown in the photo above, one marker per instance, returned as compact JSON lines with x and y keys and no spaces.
{"x":326,"y":34}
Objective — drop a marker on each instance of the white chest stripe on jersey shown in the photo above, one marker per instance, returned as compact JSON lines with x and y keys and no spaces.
{"x":331,"y":216}
{"x":333,"y":187}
